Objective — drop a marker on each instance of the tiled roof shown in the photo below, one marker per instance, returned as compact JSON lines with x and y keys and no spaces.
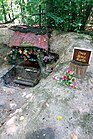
{"x":28,"y":40}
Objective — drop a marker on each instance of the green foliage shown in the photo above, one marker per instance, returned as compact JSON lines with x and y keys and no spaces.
{"x":23,"y":9}
{"x":69,"y":15}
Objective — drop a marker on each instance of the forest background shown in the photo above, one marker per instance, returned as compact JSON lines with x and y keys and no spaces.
{"x":67,"y":15}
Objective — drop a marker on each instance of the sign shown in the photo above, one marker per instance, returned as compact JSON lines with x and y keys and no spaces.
{"x":81,"y":55}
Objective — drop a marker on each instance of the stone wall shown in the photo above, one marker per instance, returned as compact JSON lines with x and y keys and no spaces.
{"x":5,"y":35}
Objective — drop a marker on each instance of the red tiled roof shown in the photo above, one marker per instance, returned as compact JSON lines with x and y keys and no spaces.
{"x":29,"y":39}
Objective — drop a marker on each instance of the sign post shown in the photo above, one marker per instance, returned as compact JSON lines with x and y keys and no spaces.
{"x":80,"y":61}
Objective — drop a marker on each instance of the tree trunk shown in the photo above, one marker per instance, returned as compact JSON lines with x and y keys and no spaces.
{"x":87,"y":13}
{"x":49,"y":8}
{"x":22,"y":10}
{"x":40,"y":16}
{"x":12,"y":9}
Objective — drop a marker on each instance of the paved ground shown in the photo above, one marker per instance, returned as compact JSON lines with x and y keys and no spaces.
{"x":32,"y":113}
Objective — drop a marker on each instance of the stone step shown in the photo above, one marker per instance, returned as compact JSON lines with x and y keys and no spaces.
{"x":26,"y":82}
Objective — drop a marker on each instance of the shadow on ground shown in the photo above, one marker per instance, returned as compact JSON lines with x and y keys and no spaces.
{"x":47,"y":133}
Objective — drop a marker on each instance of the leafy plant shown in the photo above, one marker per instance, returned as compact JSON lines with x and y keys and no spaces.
{"x":69,"y":15}
{"x":67,"y":79}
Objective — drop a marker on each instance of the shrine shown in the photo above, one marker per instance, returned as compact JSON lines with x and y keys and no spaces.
{"x":80,"y":61}
{"x":29,"y":55}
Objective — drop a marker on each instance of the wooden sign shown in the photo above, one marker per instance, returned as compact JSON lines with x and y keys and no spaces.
{"x":81,"y":55}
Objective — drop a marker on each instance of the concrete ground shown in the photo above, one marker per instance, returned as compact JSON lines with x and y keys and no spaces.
{"x":32,"y":113}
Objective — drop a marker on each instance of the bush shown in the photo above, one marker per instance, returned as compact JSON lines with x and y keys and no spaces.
{"x":69,"y":15}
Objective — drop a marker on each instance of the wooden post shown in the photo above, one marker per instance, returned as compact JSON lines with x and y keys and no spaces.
{"x":40,"y":16}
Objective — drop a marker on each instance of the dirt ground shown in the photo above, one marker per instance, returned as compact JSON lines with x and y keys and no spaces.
{"x":32,"y":113}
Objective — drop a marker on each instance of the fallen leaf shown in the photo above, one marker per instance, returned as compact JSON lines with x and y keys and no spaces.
{"x":73,"y":136}
{"x":81,"y":88}
{"x":22,"y":118}
{"x":59,"y":118}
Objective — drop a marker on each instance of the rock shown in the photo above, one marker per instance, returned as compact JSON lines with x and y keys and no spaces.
{"x":5,"y":35}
